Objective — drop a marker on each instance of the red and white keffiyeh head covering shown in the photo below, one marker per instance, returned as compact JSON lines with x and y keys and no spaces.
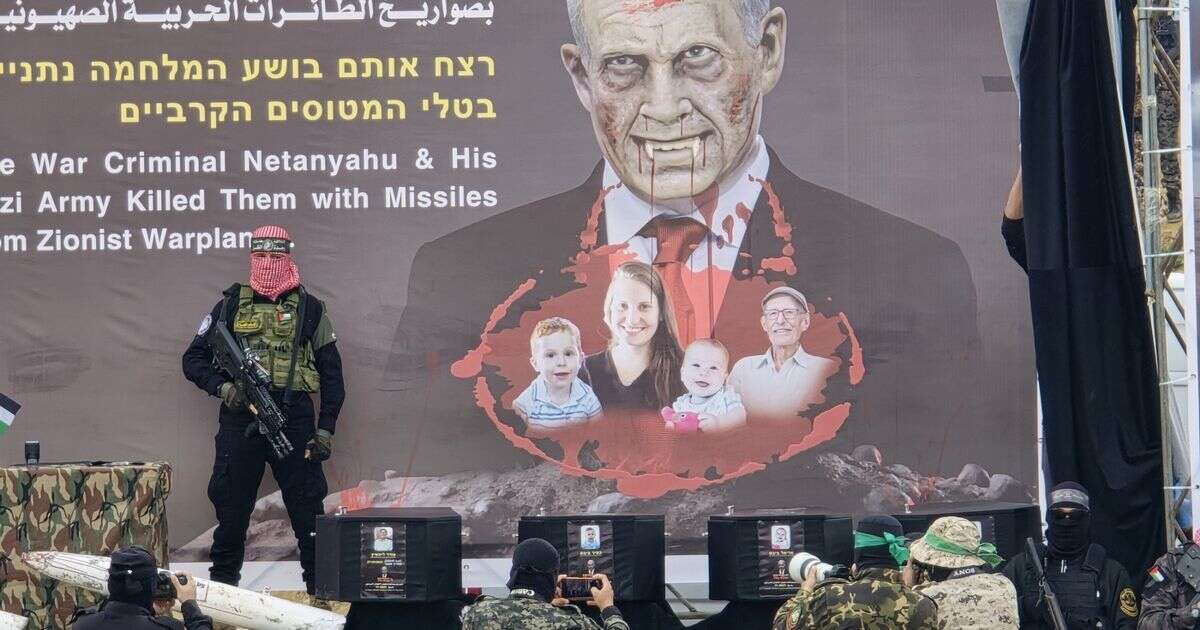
{"x":272,"y":276}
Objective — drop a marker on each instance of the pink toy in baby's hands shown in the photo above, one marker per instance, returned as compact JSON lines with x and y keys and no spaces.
{"x":681,"y":421}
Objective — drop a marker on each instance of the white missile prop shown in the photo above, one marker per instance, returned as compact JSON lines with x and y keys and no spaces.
{"x":224,"y":603}
{"x":9,"y":621}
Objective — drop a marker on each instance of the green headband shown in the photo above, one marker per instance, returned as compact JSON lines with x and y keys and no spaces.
{"x":895,"y":544}
{"x":985,"y":552}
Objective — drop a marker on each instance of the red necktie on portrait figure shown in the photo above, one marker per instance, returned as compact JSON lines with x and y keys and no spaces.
{"x":677,"y":238}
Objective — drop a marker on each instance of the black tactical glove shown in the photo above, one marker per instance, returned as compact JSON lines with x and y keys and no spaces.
{"x":320,"y":447}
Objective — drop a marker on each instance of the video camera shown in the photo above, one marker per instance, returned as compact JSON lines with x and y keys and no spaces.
{"x":803,"y":561}
{"x":164,"y":588}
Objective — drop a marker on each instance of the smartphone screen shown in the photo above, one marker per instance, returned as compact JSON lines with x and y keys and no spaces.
{"x":577,"y":588}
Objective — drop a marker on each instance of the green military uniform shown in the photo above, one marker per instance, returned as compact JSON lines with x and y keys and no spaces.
{"x":981,"y":601}
{"x":523,"y":610}
{"x":953,"y":566}
{"x":874,"y":599}
{"x":290,"y":334}
{"x":270,"y":329}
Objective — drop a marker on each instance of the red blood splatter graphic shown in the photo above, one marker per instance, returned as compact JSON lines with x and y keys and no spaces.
{"x":783,"y":229}
{"x":743,"y":212}
{"x":634,"y":447}
{"x":741,"y":91}
{"x":825,"y":426}
{"x":609,"y":123}
{"x":472,"y":363}
{"x":652,"y":184}
{"x":706,"y":203}
{"x":354,"y":499}
{"x":857,"y":369}
{"x":782,"y":264}
{"x":647,"y":6}
{"x":587,"y":238}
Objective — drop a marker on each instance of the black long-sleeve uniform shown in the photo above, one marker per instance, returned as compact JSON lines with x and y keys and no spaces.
{"x":1114,"y":601}
{"x":241,"y":459}
{"x":198,"y":361}
{"x":124,"y":616}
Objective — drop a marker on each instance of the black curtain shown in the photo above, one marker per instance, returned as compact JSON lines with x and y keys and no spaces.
{"x":1095,"y":359}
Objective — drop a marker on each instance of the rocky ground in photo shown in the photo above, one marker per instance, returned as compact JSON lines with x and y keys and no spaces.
{"x":484,"y":498}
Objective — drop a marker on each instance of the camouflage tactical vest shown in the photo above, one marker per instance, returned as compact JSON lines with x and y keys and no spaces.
{"x":269,"y":330}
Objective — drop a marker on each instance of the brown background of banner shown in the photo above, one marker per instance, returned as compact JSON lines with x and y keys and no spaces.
{"x":904,"y":106}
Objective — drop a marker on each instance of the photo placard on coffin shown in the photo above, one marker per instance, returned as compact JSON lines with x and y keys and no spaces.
{"x":1005,"y":525}
{"x":629,"y":548}
{"x":749,"y":552}
{"x":390,"y":555}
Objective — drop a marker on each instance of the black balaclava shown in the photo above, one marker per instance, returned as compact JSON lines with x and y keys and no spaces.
{"x":1068,"y":535}
{"x":878,"y":557}
{"x":535,"y":567}
{"x":131,"y":577}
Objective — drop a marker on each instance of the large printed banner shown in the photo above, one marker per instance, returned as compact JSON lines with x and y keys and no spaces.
{"x":581,"y":256}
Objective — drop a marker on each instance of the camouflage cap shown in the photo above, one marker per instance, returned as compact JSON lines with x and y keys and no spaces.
{"x":960,"y":533}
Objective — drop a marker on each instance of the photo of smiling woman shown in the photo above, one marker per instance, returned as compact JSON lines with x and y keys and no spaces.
{"x":640,"y":368}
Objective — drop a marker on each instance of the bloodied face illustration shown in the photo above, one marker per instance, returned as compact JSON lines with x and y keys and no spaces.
{"x":674,"y":88}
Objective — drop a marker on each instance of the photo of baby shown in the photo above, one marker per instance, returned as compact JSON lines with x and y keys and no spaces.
{"x":557,"y":397}
{"x":708,"y":406}
{"x":781,"y":537}
{"x":589,"y":538}
{"x":383,"y":539}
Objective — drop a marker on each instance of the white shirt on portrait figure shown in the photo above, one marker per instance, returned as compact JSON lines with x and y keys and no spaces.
{"x":722,"y":401}
{"x":625,"y":214}
{"x":772,"y":395}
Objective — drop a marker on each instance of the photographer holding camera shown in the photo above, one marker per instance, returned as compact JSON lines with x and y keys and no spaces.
{"x":132,"y":591}
{"x":951,"y":565}
{"x":535,"y":600}
{"x":874,"y":596}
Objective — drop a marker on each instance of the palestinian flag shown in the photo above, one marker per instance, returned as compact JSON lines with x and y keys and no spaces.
{"x":8,"y":411}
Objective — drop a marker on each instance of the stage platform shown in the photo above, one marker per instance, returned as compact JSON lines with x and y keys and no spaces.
{"x":283,"y":580}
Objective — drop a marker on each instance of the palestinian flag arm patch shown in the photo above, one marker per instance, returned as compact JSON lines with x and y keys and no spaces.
{"x":1156,"y":575}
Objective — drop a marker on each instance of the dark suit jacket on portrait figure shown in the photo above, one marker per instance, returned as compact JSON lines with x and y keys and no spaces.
{"x":906,"y":291}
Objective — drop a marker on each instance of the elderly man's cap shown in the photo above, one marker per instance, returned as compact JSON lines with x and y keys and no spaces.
{"x":788,"y":291}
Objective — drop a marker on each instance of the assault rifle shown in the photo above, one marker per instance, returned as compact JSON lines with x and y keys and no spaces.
{"x":254,"y":383}
{"x":1056,"y":614}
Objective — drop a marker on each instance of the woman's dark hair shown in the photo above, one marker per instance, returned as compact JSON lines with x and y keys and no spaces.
{"x":666,"y":358}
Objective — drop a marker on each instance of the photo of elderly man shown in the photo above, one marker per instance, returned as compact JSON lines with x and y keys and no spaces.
{"x":782,"y":383}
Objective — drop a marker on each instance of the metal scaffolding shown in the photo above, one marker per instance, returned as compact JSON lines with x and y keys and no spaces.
{"x":1166,"y":223}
